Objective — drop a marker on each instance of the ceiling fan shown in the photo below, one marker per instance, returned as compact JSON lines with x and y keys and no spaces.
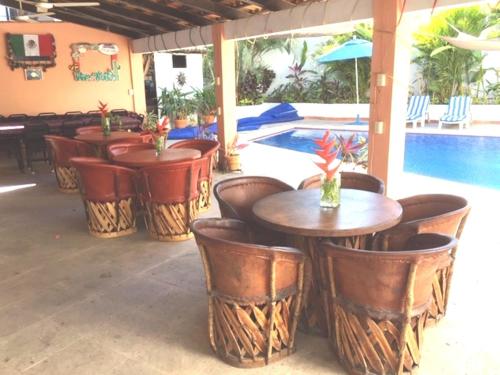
{"x":30,"y":17}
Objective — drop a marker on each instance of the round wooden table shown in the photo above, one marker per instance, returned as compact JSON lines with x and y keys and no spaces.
{"x":99,"y":139}
{"x":144,"y":158}
{"x":299,"y":214}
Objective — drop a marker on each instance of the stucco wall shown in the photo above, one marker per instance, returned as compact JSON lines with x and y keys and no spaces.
{"x":58,"y":91}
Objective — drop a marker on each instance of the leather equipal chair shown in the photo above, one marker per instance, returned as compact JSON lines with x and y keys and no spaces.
{"x":349,"y":180}
{"x":115,"y":149}
{"x":170,"y":198}
{"x":109,"y":197}
{"x":236,"y":197}
{"x":254,"y":293}
{"x":427,"y":213}
{"x":208,"y":150}
{"x":62,"y":150}
{"x":377,"y":302}
{"x":88,"y":129}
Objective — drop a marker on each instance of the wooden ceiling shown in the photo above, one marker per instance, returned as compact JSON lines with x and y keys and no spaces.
{"x":136,"y":19}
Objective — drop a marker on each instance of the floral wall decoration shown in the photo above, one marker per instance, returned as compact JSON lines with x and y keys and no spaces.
{"x":31,"y":51}
{"x":111,"y":74}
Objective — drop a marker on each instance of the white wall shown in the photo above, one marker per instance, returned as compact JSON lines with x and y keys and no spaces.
{"x":479,"y":112}
{"x":166,"y":75}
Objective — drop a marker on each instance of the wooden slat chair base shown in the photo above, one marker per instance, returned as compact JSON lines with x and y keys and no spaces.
{"x":170,"y":222}
{"x":376,"y":302}
{"x":205,"y":196}
{"x":111,"y":219}
{"x":366,"y":345}
{"x":67,"y":179}
{"x":254,"y":293}
{"x":240,"y":331}
{"x":440,"y":293}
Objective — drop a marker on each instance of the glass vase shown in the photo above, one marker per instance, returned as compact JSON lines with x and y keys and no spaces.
{"x":106,"y":126}
{"x":159,"y":144}
{"x":330,"y":191}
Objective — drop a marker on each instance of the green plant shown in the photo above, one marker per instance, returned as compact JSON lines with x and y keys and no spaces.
{"x":206,"y":103}
{"x":150,"y":122}
{"x":447,"y":70}
{"x":175,"y":104}
{"x":296,"y":89}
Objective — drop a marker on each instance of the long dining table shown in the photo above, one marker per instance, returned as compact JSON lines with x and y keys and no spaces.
{"x":298,"y":214}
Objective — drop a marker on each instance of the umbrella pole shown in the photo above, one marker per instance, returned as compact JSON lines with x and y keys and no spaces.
{"x":358,"y":120}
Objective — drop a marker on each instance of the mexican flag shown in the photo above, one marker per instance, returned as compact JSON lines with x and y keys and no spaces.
{"x":26,"y":45}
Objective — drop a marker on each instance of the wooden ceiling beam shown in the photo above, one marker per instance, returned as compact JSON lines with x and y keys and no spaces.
{"x":272,"y":5}
{"x":96,"y":24}
{"x":111,"y":12}
{"x":166,"y":11}
{"x":76,"y":15}
{"x":217,"y":8}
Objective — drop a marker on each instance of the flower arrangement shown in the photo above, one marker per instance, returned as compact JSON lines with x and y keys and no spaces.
{"x":329,"y":150}
{"x":158,"y":130}
{"x":105,"y":118}
{"x":330,"y":182}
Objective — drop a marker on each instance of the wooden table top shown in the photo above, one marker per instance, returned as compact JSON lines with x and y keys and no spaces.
{"x":298,"y":212}
{"x":143,"y":158}
{"x":100,"y":139}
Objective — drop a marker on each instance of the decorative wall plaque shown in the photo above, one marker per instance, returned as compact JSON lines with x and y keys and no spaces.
{"x":111,"y":74}
{"x":31,"y":50}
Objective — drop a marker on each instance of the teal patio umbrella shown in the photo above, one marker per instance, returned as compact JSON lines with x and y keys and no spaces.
{"x":352,"y":49}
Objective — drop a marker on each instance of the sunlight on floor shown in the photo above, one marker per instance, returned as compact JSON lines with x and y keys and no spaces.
{"x":6,"y":189}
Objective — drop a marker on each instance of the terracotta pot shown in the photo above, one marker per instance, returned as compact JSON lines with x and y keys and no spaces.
{"x":181,"y":123}
{"x":208,"y":119}
{"x":233,"y":162}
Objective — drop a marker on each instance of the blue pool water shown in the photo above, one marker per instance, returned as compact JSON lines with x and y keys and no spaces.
{"x":468,"y":159}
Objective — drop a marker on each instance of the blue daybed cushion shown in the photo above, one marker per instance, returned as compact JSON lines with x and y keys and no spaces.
{"x":283,"y":112}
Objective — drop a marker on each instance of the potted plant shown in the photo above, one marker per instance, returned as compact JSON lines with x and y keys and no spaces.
{"x":177,"y":105}
{"x":232,"y":157}
{"x":206,"y":104}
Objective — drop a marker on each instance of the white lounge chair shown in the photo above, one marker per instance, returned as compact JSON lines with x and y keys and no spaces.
{"x":418,"y":110}
{"x":458,"y":112}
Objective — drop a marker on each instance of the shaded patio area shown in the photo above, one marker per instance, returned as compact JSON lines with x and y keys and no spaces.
{"x":71,"y":303}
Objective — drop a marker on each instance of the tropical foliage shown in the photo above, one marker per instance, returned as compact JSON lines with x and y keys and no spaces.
{"x":446,"y":70}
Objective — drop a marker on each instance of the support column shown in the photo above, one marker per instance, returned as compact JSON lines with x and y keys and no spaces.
{"x":225,"y":89}
{"x":390,"y":57}
{"x":138,"y":93}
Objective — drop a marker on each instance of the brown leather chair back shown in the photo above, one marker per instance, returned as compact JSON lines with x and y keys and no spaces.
{"x":439,"y":213}
{"x":236,"y":196}
{"x":378,"y":280}
{"x":207,"y":148}
{"x":349,"y":180}
{"x":88,"y":129}
{"x":240,"y":269}
{"x":426,"y":213}
{"x":115,"y":149}
{"x":172,"y":182}
{"x":63,"y":149}
{"x":101,"y":182}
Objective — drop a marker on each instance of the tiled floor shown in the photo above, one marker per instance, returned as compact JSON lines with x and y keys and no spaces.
{"x":73,"y":304}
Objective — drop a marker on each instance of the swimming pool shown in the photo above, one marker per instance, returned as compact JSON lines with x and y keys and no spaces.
{"x":468,"y":159}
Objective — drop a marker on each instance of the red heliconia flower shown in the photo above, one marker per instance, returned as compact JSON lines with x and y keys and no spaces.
{"x":325,"y":152}
{"x":348,"y":147}
{"x":161,"y":127}
{"x":103,"y":108}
